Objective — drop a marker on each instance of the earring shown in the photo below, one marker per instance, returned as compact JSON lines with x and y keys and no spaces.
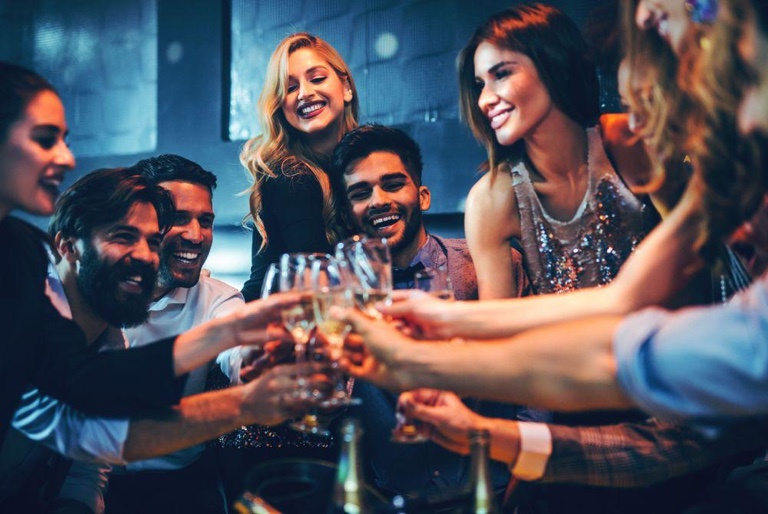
{"x":702,"y":11}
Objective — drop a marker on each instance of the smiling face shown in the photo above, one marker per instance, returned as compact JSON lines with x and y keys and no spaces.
{"x":315,"y":97}
{"x":385,"y":202}
{"x":118,"y":266}
{"x":753,"y":111}
{"x":187,"y":244}
{"x":512,"y":96}
{"x":667,"y":17}
{"x":34,"y":157}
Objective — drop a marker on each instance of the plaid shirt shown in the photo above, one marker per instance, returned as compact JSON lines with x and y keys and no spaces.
{"x":639,"y":454}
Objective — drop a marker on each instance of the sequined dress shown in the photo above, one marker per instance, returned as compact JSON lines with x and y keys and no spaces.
{"x":588,"y":249}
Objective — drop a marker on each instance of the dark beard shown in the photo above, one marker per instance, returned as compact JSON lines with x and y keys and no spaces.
{"x":98,"y":283}
{"x":412,"y":226}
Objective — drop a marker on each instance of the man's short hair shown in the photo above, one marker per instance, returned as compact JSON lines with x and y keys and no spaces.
{"x":168,"y":167}
{"x":367,"y":139}
{"x":103,"y":197}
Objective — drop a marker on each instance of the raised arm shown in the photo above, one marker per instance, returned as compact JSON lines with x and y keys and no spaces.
{"x":250,"y":325}
{"x":564,"y":367}
{"x":491,"y":220}
{"x":661,"y":266}
{"x":266,"y":400}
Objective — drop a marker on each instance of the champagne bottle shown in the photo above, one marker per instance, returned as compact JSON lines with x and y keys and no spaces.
{"x":349,"y":489}
{"x":483,"y":499}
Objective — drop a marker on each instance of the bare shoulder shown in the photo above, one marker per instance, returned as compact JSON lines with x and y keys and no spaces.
{"x":625,"y":149}
{"x":492,"y":207}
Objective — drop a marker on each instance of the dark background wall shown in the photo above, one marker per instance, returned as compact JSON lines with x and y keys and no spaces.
{"x":143,"y":77}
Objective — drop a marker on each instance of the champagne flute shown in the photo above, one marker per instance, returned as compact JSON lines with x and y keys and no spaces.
{"x":299,"y":321}
{"x":370,"y":271}
{"x":271,"y":282}
{"x":269,"y":286}
{"x":329,"y":282}
{"x":435,"y":281}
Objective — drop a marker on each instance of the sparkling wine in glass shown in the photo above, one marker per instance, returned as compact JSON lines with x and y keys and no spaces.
{"x":329,"y":281}
{"x":435,"y":281}
{"x":299,"y":321}
{"x":370,"y":271}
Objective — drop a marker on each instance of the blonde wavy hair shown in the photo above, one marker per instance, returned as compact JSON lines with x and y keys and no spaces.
{"x":279,"y":148}
{"x":654,"y":96}
{"x":691,"y":106}
{"x":729,"y":163}
{"x":560,"y":54}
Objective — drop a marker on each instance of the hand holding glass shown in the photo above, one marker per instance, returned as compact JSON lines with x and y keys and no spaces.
{"x":329,"y":283}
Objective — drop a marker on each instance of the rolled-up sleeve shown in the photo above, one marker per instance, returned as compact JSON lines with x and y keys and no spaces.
{"x":702,"y":365}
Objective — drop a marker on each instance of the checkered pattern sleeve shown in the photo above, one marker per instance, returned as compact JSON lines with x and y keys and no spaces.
{"x":631,"y":454}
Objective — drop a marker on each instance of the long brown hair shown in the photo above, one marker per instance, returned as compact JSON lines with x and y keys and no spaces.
{"x":279,"y":148}
{"x":655,"y":97}
{"x":695,"y":120}
{"x":558,"y":51}
{"x":729,"y":163}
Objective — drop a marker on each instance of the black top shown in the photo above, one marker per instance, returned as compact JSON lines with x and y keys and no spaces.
{"x":292,"y":211}
{"x":40,"y":348}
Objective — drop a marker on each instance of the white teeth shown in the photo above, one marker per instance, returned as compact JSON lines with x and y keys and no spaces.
{"x":51,"y":181}
{"x":136,"y":279}
{"x":385,"y":219}
{"x":310,"y":108}
{"x":187,"y":256}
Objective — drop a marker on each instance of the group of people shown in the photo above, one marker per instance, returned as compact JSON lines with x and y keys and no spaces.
{"x":615,"y":354}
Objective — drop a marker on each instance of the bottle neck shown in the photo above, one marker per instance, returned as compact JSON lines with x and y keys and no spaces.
{"x":483,"y":497}
{"x":349,"y":487}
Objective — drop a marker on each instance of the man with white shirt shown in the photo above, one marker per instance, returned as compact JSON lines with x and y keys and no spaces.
{"x":107,"y":239}
{"x":182,"y":298}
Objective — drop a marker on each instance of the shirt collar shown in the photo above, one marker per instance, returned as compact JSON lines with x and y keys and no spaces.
{"x":175,"y":296}
{"x":430,"y":254}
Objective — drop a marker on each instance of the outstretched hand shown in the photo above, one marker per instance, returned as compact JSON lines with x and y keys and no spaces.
{"x":256,"y":361}
{"x":426,"y":316}
{"x":447,"y":421}
{"x":446,"y":418}
{"x":273,"y":397}
{"x":371,"y":349}
{"x":259,"y":321}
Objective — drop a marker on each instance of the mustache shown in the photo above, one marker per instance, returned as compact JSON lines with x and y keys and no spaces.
{"x":132,"y":268}
{"x":378,"y":211}
{"x":184,"y":245}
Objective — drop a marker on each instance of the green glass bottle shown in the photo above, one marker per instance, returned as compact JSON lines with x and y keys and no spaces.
{"x":349,"y":488}
{"x":483,"y":499}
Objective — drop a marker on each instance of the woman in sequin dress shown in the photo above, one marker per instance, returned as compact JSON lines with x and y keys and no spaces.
{"x":696,"y":199}
{"x":531,"y":97}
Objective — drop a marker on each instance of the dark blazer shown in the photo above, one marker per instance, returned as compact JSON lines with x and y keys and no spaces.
{"x":39,"y":348}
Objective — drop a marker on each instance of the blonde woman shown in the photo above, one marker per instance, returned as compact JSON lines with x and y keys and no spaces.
{"x":307,"y":104}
